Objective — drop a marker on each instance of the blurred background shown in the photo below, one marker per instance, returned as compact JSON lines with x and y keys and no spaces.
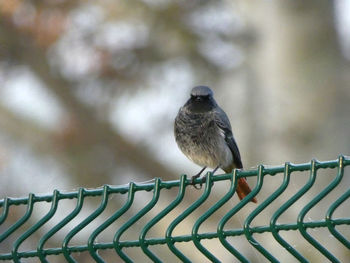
{"x":89,"y":89}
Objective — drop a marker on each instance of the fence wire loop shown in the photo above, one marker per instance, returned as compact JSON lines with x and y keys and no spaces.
{"x":152,"y":214}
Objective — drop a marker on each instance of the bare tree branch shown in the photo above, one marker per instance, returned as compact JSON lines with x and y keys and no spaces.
{"x":94,"y":129}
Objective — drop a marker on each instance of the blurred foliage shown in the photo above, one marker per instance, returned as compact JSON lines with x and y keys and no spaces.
{"x":90,"y":89}
{"x":88,"y":54}
{"x":93,"y":58}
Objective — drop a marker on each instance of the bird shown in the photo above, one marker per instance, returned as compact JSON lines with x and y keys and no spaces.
{"x":203,"y":133}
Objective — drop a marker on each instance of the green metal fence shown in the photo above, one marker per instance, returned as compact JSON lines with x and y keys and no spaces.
{"x":13,"y":234}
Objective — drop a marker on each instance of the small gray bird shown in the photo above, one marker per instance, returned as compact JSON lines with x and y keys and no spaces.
{"x":203,"y":133}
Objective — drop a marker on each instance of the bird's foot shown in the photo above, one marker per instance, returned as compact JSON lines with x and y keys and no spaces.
{"x":193,"y":178}
{"x":196,"y":176}
{"x":202,"y":181}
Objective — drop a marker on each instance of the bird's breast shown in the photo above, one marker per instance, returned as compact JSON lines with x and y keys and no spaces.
{"x":200,"y":139}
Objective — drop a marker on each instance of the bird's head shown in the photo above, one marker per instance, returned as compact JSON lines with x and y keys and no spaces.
{"x":201,"y":100}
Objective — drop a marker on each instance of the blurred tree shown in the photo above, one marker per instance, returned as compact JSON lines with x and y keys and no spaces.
{"x":278,"y":66}
{"x":301,"y":74}
{"x":117,"y":45}
{"x":91,"y":56}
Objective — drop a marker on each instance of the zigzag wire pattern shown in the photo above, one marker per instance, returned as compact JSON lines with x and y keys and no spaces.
{"x":221,"y":234}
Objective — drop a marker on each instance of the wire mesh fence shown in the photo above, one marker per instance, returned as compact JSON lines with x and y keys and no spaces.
{"x":302,"y":214}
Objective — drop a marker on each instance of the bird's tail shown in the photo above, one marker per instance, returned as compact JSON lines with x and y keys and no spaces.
{"x":243,"y":189}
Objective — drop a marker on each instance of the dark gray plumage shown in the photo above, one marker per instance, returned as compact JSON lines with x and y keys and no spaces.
{"x":203,"y":133}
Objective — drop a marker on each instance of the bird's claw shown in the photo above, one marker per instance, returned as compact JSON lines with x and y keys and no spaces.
{"x":193,"y":178}
{"x":203,"y":180}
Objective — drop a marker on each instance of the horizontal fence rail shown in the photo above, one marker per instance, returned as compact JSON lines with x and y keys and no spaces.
{"x":25,"y":227}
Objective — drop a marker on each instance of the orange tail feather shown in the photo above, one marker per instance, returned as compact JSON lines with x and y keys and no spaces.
{"x":243,"y":189}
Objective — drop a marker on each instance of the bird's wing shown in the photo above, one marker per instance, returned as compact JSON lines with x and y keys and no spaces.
{"x":224,"y":125}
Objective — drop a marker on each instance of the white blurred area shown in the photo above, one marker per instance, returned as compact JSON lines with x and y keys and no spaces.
{"x":342,"y":8}
{"x":145,"y":117}
{"x":89,"y":92}
{"x":24,"y":94}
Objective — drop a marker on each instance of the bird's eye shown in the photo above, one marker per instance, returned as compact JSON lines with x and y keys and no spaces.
{"x":199,"y":98}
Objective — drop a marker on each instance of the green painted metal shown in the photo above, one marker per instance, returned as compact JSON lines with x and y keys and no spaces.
{"x":313,"y":202}
{"x":158,"y":217}
{"x":133,"y":220}
{"x":35,"y":227}
{"x":220,"y":229}
{"x":108,"y":222}
{"x":59,"y":226}
{"x":330,"y":222}
{"x":21,"y":221}
{"x":196,"y":237}
{"x":282,"y":209}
